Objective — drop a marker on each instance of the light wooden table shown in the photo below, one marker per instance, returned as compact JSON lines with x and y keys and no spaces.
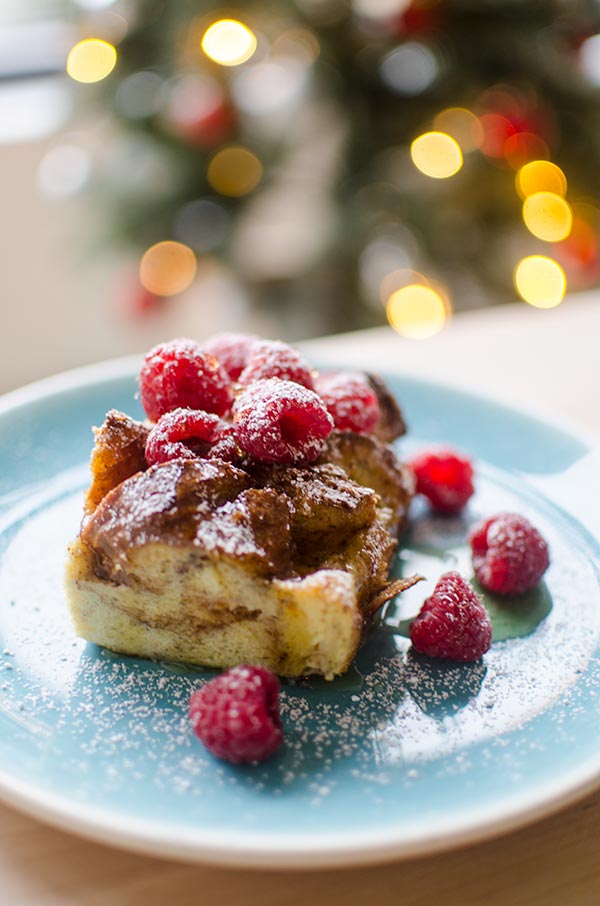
{"x":545,"y":359}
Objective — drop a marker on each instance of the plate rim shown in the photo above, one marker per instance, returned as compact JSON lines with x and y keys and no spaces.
{"x":216,"y":848}
{"x":276,"y":850}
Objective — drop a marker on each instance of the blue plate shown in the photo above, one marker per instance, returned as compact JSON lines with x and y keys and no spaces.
{"x":403,"y":755}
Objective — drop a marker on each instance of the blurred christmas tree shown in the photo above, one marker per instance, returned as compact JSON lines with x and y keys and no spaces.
{"x":345,"y":156}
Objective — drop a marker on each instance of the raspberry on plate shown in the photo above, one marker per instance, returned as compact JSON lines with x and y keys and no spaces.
{"x":232,"y":351}
{"x":444,"y":477}
{"x":509,"y":554}
{"x":178,"y":374}
{"x":236,"y":715}
{"x":272,"y":359}
{"x":280,"y":421}
{"x":452,"y":623}
{"x":350,"y":400}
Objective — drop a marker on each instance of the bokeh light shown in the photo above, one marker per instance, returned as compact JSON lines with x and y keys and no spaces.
{"x":496,"y":130}
{"x":547,"y":216}
{"x":436,"y":154}
{"x":229,"y":42}
{"x":94,"y":5}
{"x":390,"y":251}
{"x":299,"y":43}
{"x":265,"y":88}
{"x":167,"y":268}
{"x":202,"y":224}
{"x":417,"y":311}
{"x":589,"y":57}
{"x":540,"y":281}
{"x":197,"y":110}
{"x":64,"y":170}
{"x":409,"y":69}
{"x":523,"y":147}
{"x":139,"y":171}
{"x":398,"y":279}
{"x":111,"y":26}
{"x":380,"y":9}
{"x":580,"y":250}
{"x":462,"y":125}
{"x":91,"y":60}
{"x":140,"y":95}
{"x":540,"y":176}
{"x":282,"y":233}
{"x":234,"y":171}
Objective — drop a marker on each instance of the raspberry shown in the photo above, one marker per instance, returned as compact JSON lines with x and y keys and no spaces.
{"x":236,"y":715}
{"x":445,"y":478}
{"x":226,"y":447}
{"x":167,"y":438}
{"x":280,"y":421}
{"x":232,"y":350}
{"x":178,"y":374}
{"x":509,"y":554}
{"x":274,"y":359}
{"x":452,"y":623}
{"x":350,"y":399}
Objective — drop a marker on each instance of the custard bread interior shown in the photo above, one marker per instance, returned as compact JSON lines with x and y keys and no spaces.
{"x":208,"y":563}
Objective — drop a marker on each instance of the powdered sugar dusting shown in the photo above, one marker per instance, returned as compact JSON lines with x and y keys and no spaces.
{"x":281,"y":421}
{"x":274,"y":359}
{"x":116,"y":731}
{"x":350,"y":399}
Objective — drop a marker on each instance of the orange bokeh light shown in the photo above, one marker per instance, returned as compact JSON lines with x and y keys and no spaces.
{"x":523,"y":147}
{"x":540,"y":176}
{"x":581,"y":246}
{"x":167,"y":268}
{"x":497,"y":129}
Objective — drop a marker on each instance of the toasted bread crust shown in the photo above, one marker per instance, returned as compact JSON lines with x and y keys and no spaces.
{"x":391,"y":424}
{"x":373,"y":464}
{"x":118,"y":454}
{"x":200,"y":561}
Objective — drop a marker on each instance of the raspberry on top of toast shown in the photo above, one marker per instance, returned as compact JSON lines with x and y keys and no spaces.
{"x":263,"y":529}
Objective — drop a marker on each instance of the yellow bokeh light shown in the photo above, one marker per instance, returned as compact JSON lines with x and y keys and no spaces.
{"x":436,"y":154}
{"x":540,"y":176}
{"x":547,"y":216}
{"x":91,"y":60}
{"x":234,"y":171}
{"x":229,"y":42}
{"x":540,"y":281}
{"x":462,"y":125}
{"x":167,"y":268}
{"x":398,"y":279}
{"x":417,"y":311}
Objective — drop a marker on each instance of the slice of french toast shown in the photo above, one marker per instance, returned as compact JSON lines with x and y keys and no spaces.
{"x":207,"y":563}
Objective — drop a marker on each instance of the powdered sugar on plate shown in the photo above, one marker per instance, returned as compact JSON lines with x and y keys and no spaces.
{"x":119,"y":729}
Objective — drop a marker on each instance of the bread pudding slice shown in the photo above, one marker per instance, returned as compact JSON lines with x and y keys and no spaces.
{"x":212,"y":564}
